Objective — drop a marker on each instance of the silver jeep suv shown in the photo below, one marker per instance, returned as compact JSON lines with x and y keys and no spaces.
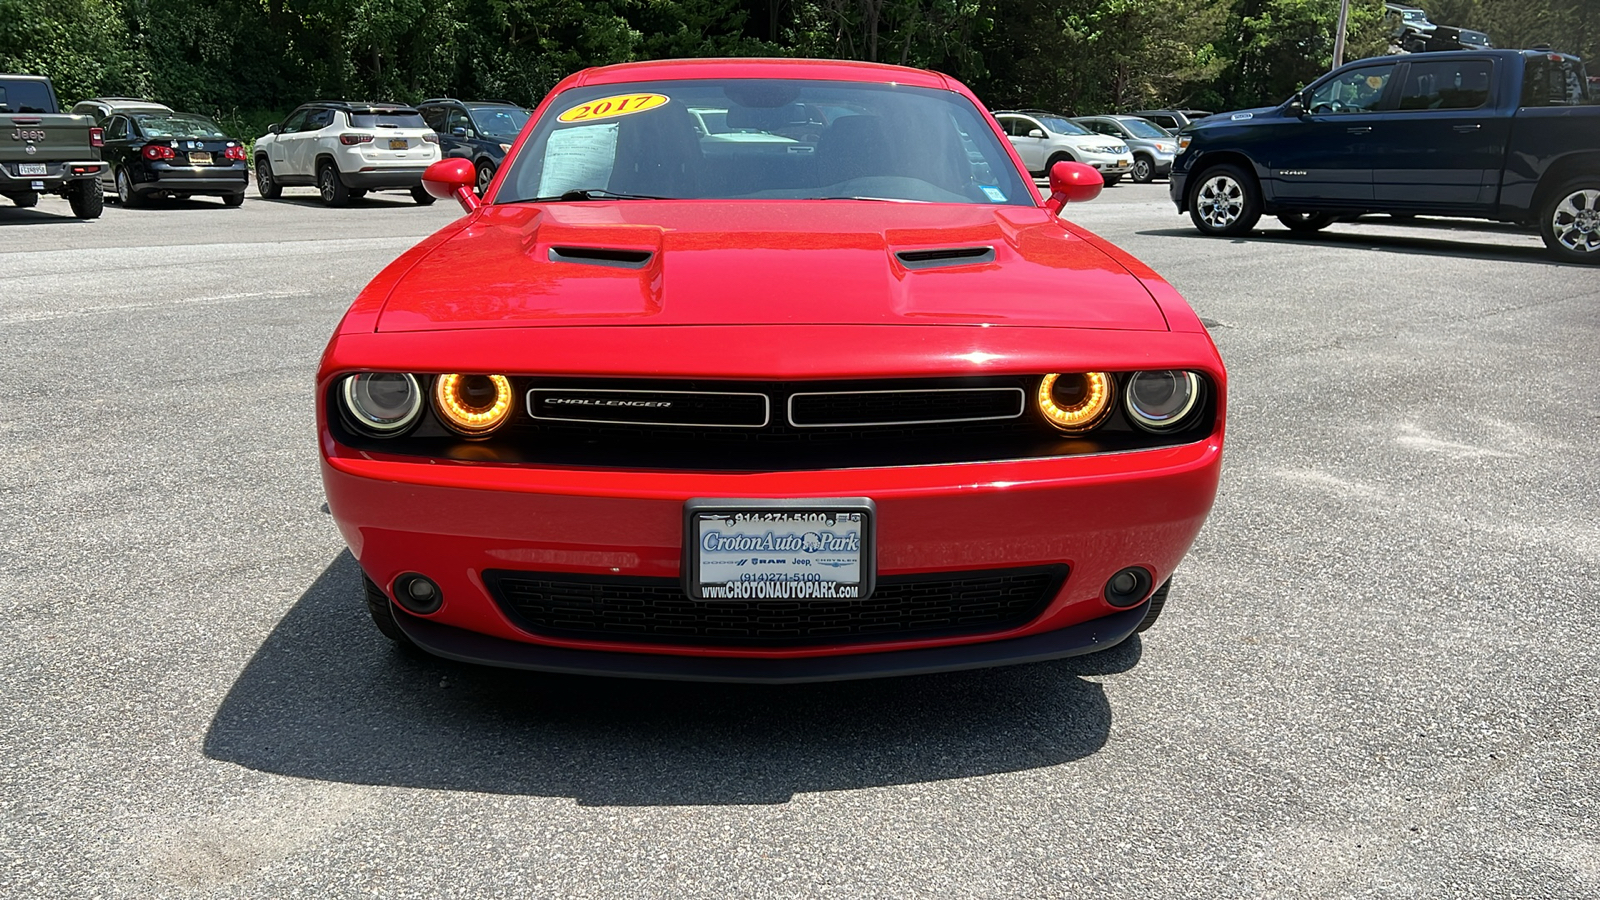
{"x":1043,"y":139}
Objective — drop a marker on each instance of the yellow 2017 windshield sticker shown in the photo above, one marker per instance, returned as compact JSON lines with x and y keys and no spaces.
{"x":611,"y":107}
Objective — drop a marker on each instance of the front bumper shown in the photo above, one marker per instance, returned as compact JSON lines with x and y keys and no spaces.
{"x":383,"y":179}
{"x":1106,"y":164}
{"x":1076,"y":640}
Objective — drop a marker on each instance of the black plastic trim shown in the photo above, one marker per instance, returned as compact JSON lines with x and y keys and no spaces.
{"x":482,"y":649}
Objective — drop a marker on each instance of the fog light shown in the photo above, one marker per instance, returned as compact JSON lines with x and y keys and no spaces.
{"x":1128,"y":587}
{"x":417,"y":594}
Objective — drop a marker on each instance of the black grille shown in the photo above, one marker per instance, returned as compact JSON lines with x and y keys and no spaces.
{"x":812,"y":410}
{"x":656,"y":610}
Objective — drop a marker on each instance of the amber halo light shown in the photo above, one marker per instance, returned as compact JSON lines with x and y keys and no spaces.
{"x":473,"y":405}
{"x":1075,"y":402}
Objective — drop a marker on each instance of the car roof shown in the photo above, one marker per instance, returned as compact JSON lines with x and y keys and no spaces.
{"x":26,"y":77}
{"x":436,"y":101}
{"x":807,"y":69}
{"x":359,"y":105}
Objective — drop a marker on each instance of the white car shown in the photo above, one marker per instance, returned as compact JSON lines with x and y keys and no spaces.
{"x":1043,"y":139}
{"x":345,"y":149}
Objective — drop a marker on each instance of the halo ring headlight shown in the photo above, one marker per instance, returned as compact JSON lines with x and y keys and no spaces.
{"x":382,"y":404}
{"x":473,"y":405}
{"x":1075,"y":402}
{"x":1161,"y":401}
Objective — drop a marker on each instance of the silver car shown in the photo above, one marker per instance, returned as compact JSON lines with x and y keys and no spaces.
{"x":1043,"y":139}
{"x":1153,"y":146}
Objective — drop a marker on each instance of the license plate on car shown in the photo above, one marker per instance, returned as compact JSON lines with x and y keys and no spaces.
{"x":32,"y":169}
{"x":397,"y":143}
{"x":199,"y":159}
{"x":779,"y":549}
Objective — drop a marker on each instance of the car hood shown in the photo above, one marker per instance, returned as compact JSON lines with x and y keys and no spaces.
{"x":1238,"y":115}
{"x":753,"y":262}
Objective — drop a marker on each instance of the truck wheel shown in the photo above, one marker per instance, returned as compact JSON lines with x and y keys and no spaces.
{"x":1305,"y":223}
{"x":421,"y":195}
{"x":25,"y":200}
{"x":1570,"y":223}
{"x":485,"y":175}
{"x":1224,"y":202}
{"x":266,"y":185}
{"x":334,"y":193}
{"x":1144,"y":171}
{"x":382,"y":614}
{"x":86,"y":198}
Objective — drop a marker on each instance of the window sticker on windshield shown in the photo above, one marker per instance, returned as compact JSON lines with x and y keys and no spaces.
{"x":611,"y":107}
{"x":578,"y":159}
{"x":993,"y":193}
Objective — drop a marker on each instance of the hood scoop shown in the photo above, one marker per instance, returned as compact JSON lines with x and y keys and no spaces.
{"x":602,"y":256}
{"x":945,"y":256}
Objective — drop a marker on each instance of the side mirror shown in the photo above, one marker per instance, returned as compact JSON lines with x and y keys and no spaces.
{"x":1072,"y":182}
{"x":1035,"y":133}
{"x":273,"y":128}
{"x":452,"y":179}
{"x":458,"y":131}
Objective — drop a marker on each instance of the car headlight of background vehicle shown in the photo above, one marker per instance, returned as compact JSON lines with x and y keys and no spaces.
{"x":1162,"y":400}
{"x":1075,"y":402}
{"x":382,"y":403}
{"x":473,"y":405}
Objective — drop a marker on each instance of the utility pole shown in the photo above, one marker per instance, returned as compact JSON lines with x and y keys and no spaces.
{"x":1338,"y":38}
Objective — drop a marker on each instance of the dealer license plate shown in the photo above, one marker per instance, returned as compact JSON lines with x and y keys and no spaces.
{"x":397,"y":143}
{"x":779,"y":549}
{"x":199,"y":159}
{"x":32,"y":169}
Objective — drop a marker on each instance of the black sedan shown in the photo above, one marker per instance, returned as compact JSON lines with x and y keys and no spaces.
{"x":172,"y":154}
{"x":479,"y":130}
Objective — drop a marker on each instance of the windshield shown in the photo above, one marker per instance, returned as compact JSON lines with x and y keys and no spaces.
{"x":1063,"y":126}
{"x":500,"y":121}
{"x":25,"y":97}
{"x":764,"y":139}
{"x":167,"y":125}
{"x":1141,"y":128}
{"x":400,"y":118}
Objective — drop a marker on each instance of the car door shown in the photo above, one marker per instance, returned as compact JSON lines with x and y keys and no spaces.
{"x":278,"y":149}
{"x":115,"y":150}
{"x":460,"y":134}
{"x":1021,"y":130}
{"x":1441,"y":147}
{"x":1323,"y":159}
{"x":308,"y":140}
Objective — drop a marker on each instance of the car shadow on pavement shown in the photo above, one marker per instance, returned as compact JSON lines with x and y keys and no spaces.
{"x":375,"y":198}
{"x":14,"y":216}
{"x":326,"y":697}
{"x":1384,"y":243}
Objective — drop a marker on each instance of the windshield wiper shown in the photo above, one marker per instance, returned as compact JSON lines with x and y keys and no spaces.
{"x":594,"y":194}
{"x":878,"y":199}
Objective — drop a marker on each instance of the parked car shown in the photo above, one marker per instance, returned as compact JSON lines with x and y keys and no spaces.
{"x":345,"y":149}
{"x":101,"y":108}
{"x":621,"y":420}
{"x":48,"y":152}
{"x":480,"y":131}
{"x":172,"y":154}
{"x":1173,"y":120}
{"x":1410,"y":19}
{"x":1508,"y":135}
{"x":1153,"y":147}
{"x":1043,"y":139}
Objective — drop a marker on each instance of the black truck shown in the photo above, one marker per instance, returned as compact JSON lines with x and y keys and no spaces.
{"x":1509,"y":135}
{"x":45,"y":151}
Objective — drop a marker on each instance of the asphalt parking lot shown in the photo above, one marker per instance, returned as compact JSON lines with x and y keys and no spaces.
{"x":1377,"y":674}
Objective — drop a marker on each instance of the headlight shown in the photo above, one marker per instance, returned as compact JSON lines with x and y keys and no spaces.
{"x":474,"y":405}
{"x":382,"y":403}
{"x":1077,"y":402}
{"x":1161,"y":401}
{"x":1183,"y":142}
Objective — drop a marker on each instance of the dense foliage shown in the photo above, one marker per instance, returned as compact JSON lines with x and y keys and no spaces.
{"x":249,"y":60}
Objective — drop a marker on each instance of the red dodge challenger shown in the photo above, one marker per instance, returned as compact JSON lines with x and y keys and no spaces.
{"x":770,"y":371}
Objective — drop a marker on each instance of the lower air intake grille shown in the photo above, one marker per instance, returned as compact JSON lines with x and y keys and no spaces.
{"x":656,"y":610}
